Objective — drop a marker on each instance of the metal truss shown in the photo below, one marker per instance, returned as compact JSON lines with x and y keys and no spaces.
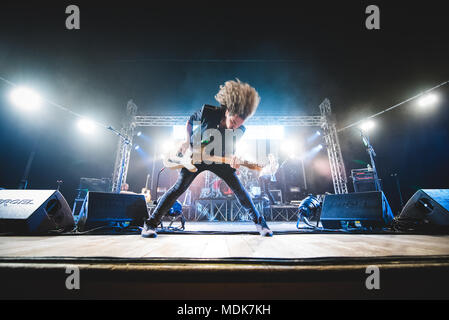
{"x":265,"y":120}
{"x":337,"y":165}
{"x":283,"y":213}
{"x":239,"y":213}
{"x":124,"y":148}
{"x":326,"y":121}
{"x":211,"y":210}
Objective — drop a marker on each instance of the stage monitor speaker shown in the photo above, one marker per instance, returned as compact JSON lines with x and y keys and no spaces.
{"x":431,"y":205}
{"x":95,"y":184}
{"x":360,"y":209}
{"x":111,"y":209}
{"x":34,"y":212}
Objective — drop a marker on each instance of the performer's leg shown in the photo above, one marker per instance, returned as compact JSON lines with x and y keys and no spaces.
{"x":228,"y":175}
{"x":168,"y":199}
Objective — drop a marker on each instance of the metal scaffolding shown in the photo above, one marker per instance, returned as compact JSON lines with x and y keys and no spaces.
{"x":124,"y":147}
{"x":326,"y":121}
{"x":337,"y":165}
{"x":266,"y":120}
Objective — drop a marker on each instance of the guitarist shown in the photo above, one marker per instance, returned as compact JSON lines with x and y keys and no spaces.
{"x":238,"y":101}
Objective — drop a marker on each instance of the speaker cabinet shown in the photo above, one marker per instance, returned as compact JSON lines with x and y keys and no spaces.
{"x":360,"y":209}
{"x":428,"y":204}
{"x":34,"y":211}
{"x":109,"y":209}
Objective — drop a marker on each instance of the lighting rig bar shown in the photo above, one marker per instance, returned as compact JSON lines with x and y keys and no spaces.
{"x":265,"y":120}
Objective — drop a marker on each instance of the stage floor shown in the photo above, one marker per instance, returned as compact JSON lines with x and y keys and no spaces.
{"x":238,"y":245}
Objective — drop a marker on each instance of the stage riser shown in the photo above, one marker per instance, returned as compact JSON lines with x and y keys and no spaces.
{"x":231,"y":210}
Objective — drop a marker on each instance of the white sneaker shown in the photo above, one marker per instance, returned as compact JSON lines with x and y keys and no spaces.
{"x":263,"y":228}
{"x":148,"y":232}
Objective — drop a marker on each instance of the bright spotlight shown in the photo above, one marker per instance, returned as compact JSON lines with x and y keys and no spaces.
{"x":367,"y":125}
{"x":427,"y":100}
{"x":320,"y":146}
{"x":167,"y":146}
{"x":137,"y":147}
{"x":25,"y":98}
{"x":288,"y":146}
{"x":274,"y":132}
{"x":139,"y":133}
{"x":86,"y":126}
{"x":318,"y":133}
{"x":241,"y":146}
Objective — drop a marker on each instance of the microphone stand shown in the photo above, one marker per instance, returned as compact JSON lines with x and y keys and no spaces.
{"x":372,"y":154}
{"x":157,"y":184}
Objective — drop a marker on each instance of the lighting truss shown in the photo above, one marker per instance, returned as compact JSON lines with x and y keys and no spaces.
{"x":261,"y":120}
{"x":325,"y":120}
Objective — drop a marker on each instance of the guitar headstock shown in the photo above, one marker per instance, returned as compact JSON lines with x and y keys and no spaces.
{"x":252,"y":165}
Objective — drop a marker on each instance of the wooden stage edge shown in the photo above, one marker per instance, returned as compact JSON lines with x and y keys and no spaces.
{"x":216,"y":279}
{"x":225,"y":266}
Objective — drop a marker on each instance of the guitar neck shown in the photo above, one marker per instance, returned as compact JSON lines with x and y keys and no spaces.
{"x":146,"y":183}
{"x":227,"y":160}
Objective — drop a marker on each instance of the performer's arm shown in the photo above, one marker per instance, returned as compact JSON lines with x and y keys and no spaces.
{"x":186,"y":144}
{"x":236,"y":161}
{"x":189,"y":130}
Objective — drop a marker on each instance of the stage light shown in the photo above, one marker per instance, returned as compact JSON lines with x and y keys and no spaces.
{"x":428,"y":100}
{"x":274,"y":132}
{"x":312,"y":152}
{"x":241,"y":146}
{"x":139,"y":133}
{"x":289,"y":146}
{"x":314,"y":137}
{"x":167,"y":146}
{"x":86,"y":126}
{"x":252,"y":132}
{"x":367,"y":125}
{"x":179,"y":131}
{"x":25,"y":98}
{"x":137,"y":147}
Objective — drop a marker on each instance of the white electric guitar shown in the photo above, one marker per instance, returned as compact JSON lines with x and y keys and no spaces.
{"x":177,"y":161}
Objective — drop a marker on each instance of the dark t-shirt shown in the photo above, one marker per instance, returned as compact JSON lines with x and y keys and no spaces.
{"x":210,"y":118}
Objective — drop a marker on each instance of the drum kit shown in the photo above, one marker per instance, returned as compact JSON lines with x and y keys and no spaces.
{"x":217,"y":188}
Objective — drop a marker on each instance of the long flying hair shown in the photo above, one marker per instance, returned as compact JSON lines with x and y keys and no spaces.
{"x":239,"y":98}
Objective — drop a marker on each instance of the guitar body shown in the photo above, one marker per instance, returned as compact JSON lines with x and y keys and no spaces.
{"x":178,"y":161}
{"x":146,"y":192}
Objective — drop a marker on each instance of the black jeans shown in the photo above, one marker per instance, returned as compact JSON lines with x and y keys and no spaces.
{"x":224,"y":171}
